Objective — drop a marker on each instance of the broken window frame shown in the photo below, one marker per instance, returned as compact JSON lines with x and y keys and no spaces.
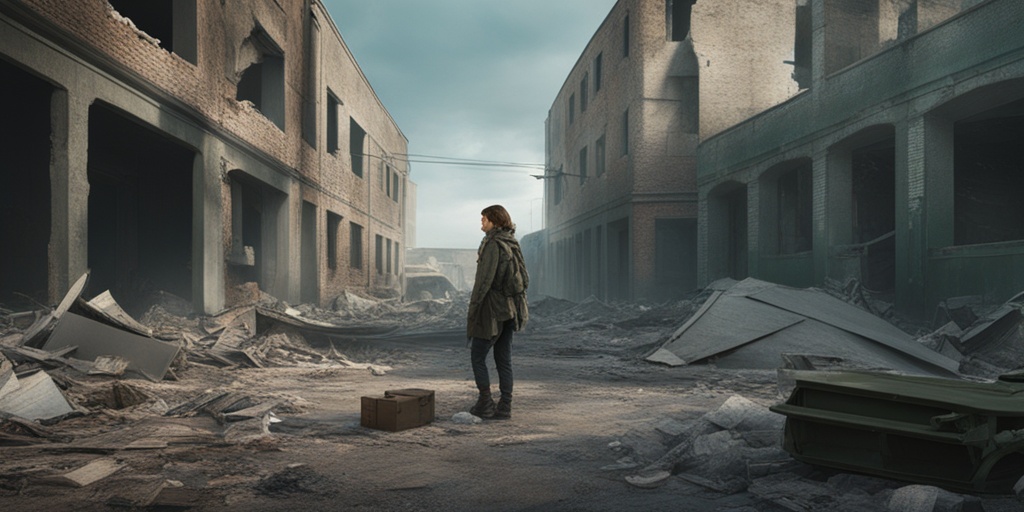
{"x":356,"y":146}
{"x":583,"y":165}
{"x":333,"y":231}
{"x":333,"y":107}
{"x":584,"y":91}
{"x":572,"y":108}
{"x":355,"y":253}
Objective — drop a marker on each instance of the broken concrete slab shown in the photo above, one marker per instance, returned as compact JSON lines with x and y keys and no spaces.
{"x":146,"y":356}
{"x":35,"y":398}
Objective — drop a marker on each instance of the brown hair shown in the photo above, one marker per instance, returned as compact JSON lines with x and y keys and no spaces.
{"x":498,"y":216}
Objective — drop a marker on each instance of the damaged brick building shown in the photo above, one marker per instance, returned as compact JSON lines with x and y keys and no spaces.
{"x":657,"y":77}
{"x":191,"y":147}
{"x":791,"y":141}
{"x":898,"y":163}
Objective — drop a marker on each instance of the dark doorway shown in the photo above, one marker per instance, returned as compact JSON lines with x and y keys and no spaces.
{"x":140,"y":210}
{"x":736,"y":233}
{"x":309,"y":255}
{"x":675,"y":257}
{"x":618,"y":260}
{"x":24,"y":187}
{"x":989,"y":176}
{"x":874,"y":213}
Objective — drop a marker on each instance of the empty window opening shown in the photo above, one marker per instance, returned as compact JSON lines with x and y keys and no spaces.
{"x":387,"y":179}
{"x":583,"y":165}
{"x":355,"y":243}
{"x":625,"y":36}
{"x":987,"y":177}
{"x":572,"y":108}
{"x":394,"y":187}
{"x":597,"y":73}
{"x":599,"y":156}
{"x":874,"y":217}
{"x":25,"y":189}
{"x":308,"y":262}
{"x":736,"y":234}
{"x":262,"y":83}
{"x":852,"y":32}
{"x":356,"y":146}
{"x":397,"y":265}
{"x":802,"y":45}
{"x":727,"y":231}
{"x":140,"y":210}
{"x":258,"y":212}
{"x":171,"y":22}
{"x":793,"y":198}
{"x":618,"y":260}
{"x":675,"y":257}
{"x":378,"y":252}
{"x":333,"y":105}
{"x":584,"y":89}
{"x":333,"y":231}
{"x":388,"y":270}
{"x":678,"y":14}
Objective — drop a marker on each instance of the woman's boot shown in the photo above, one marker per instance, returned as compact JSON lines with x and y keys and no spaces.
{"x":484,"y":407}
{"x":504,"y":409}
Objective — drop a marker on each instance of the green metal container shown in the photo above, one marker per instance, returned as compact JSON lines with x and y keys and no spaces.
{"x":956,"y":434}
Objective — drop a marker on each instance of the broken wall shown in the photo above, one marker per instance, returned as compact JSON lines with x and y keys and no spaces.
{"x":185,"y":91}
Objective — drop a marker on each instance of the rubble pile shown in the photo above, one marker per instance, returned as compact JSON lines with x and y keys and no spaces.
{"x":85,"y":377}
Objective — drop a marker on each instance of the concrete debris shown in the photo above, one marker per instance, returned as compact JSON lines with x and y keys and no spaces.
{"x":716,"y":448}
{"x":146,"y":356}
{"x":752,"y":323}
{"x":84,"y":354}
{"x":465,"y":418}
{"x":103,"y":307}
{"x":87,"y":474}
{"x":649,"y":480}
{"x":294,"y":479}
{"x":34,"y":397}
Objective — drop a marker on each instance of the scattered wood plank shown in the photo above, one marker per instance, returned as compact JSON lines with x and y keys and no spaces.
{"x":103,"y":307}
{"x":92,"y":472}
{"x":37,"y":398}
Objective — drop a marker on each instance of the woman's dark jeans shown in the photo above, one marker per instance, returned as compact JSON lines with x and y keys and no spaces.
{"x":502,"y":360}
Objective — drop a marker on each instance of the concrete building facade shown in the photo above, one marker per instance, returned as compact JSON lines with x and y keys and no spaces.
{"x":190,"y":147}
{"x":898,"y":163}
{"x":658,"y":76}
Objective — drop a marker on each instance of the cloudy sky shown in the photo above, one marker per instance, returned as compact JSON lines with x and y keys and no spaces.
{"x":469,"y":79}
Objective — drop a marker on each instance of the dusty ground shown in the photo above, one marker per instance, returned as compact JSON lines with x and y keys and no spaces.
{"x":584,"y":402}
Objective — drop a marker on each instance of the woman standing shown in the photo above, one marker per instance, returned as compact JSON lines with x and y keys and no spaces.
{"x":495,"y":311}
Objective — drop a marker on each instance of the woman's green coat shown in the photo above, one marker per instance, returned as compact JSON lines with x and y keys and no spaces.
{"x":489,"y":307}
